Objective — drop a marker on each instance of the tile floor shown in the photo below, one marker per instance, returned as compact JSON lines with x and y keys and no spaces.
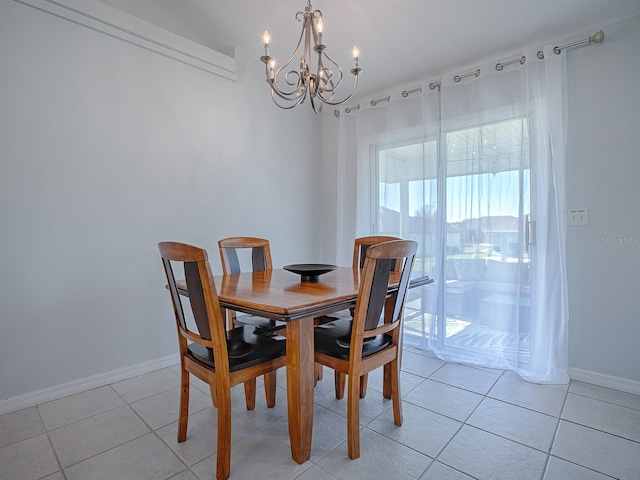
{"x":460,"y":423}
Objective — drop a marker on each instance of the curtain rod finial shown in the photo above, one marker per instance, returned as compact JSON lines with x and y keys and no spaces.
{"x":598,"y":37}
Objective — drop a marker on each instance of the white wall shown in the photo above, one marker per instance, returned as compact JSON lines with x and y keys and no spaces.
{"x":603,"y":172}
{"x":107,"y":149}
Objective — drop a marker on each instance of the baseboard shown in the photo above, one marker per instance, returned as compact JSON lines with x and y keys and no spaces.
{"x":602,"y":380}
{"x":84,"y":384}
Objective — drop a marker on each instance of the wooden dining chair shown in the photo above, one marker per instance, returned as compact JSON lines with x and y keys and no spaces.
{"x":355,"y":348}
{"x":360,"y":246}
{"x":216,"y":356}
{"x":230,"y":250}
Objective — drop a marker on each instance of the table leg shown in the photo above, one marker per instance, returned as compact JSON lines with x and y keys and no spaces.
{"x":300,"y":382}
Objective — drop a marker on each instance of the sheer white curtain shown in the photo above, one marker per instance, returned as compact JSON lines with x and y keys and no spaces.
{"x":474,"y":171}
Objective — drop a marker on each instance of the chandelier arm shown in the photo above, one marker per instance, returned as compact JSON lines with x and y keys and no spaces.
{"x":293,"y":105}
{"x":273,"y":85}
{"x":317,"y":106}
{"x":340,"y":74}
{"x":329,"y":102}
{"x":295,"y":51}
{"x":289,"y":96}
{"x":306,"y":54}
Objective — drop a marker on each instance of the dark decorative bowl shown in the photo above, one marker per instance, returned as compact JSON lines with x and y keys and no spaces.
{"x":310,"y":272}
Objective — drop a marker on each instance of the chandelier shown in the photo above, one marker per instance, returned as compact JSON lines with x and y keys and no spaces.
{"x":294,"y":86}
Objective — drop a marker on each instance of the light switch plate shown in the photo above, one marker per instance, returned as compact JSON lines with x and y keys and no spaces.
{"x":578,"y":216}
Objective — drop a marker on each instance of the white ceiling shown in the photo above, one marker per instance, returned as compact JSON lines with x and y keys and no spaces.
{"x":399,"y":40}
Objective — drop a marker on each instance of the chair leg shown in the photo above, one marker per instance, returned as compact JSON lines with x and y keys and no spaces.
{"x":214,"y":394}
{"x":250,"y":393}
{"x":386,"y":382}
{"x":353,"y":417}
{"x":363,"y":385}
{"x":319,"y":372}
{"x":339,"y":383}
{"x":184,"y":406}
{"x":270,"y":384}
{"x":223,"y":463}
{"x":395,"y":392}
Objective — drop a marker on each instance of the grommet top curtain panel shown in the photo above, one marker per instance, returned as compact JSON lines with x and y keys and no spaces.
{"x":474,"y":171}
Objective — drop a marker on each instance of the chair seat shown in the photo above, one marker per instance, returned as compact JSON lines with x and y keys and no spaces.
{"x":264,"y":323}
{"x":332,"y":317}
{"x":250,"y":349}
{"x":333,"y":339}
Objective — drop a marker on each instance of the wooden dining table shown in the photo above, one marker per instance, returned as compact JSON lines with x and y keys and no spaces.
{"x":282,"y":295}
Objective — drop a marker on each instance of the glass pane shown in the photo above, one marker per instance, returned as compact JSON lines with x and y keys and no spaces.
{"x":406,"y":207}
{"x":487,"y":307}
{"x":484,"y":275}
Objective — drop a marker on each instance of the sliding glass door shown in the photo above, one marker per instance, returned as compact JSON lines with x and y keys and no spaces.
{"x":465,"y":198}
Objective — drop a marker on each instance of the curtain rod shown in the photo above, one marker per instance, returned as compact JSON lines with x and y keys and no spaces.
{"x":500,"y":66}
{"x":597,"y":37}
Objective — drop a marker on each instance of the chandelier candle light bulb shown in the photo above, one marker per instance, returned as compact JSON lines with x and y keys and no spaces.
{"x":266,"y":40}
{"x":319,"y":29}
{"x":294,"y":86}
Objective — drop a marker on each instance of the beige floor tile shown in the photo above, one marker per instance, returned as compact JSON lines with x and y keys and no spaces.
{"x":546,"y":399}
{"x":28,"y":459}
{"x":163,"y":408}
{"x":606,"y":394}
{"x":370,"y":407}
{"x":476,"y":380}
{"x":608,"y":417}
{"x":444,"y":399}
{"x":315,"y":473}
{"x":521,"y":425}
{"x":421,"y":365}
{"x":202,"y":435}
{"x":79,"y":406}
{"x":596,"y":450}
{"x":20,"y":425}
{"x":379,"y":458}
{"x":438,"y":471}
{"x":255,"y":457}
{"x":483,"y":455}
{"x":147,"y":385}
{"x":146,"y":458}
{"x":261,"y":416}
{"x":184,"y":475}
{"x":55,"y":476}
{"x":425,"y":431}
{"x":83,"y":439}
{"x":558,"y":469}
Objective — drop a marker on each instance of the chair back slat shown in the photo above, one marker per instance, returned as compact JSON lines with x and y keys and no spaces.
{"x":258,"y":259}
{"x":403,"y":287}
{"x":175,"y":296}
{"x":196,"y":299}
{"x":378,"y":293}
{"x":363,"y":254}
